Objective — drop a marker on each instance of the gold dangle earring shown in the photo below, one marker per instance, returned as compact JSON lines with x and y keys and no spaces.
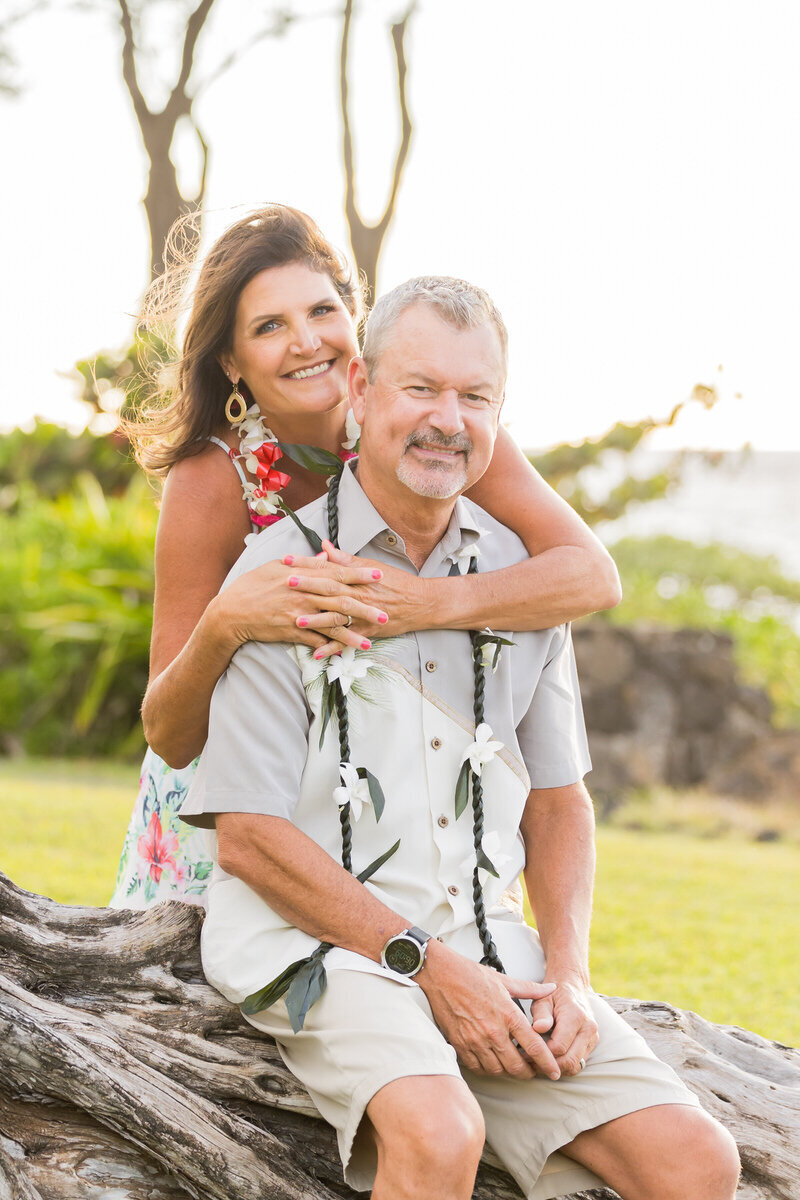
{"x":236,"y":398}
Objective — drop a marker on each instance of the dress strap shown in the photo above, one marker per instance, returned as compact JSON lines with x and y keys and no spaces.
{"x":255,"y":527}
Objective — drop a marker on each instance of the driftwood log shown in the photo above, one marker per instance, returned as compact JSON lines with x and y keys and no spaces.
{"x":124,"y":1076}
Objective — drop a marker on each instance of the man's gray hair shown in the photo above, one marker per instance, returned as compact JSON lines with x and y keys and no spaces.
{"x":457,"y":302}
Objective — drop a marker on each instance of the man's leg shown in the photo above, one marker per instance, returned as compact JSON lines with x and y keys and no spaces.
{"x":428,"y":1130}
{"x":668,"y":1152}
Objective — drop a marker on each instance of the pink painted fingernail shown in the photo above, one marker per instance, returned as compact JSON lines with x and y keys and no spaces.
{"x":318,"y":656}
{"x":365,"y":645}
{"x":288,"y":560}
{"x":382,"y":618}
{"x":302,"y":622}
{"x":293,"y":581}
{"x":377,"y":574}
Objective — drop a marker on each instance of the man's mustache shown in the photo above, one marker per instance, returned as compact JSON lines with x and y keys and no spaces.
{"x":434,"y":437}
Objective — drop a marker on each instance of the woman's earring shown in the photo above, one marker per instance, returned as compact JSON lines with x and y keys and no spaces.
{"x":236,"y":398}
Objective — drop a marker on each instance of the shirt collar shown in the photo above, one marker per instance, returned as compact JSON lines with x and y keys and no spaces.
{"x":360,"y":522}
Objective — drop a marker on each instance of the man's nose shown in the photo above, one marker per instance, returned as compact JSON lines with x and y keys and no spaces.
{"x":446,"y":415}
{"x":305,"y":341}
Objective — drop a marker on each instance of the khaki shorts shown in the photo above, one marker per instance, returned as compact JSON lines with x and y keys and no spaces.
{"x":367,"y":1031}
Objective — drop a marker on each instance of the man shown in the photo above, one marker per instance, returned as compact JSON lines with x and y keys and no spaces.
{"x":415,"y":1051}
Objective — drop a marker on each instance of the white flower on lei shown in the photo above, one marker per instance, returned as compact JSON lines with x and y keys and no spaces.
{"x":355,"y":791}
{"x":462,"y":557}
{"x":347,"y":667}
{"x":491,"y":846}
{"x":265,"y":505}
{"x":253,"y":432}
{"x":352,"y":431}
{"x":482,"y":750}
{"x":488,"y":652}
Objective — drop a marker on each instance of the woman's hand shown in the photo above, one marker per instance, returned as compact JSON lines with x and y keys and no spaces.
{"x":304,"y":600}
{"x":384,"y":601}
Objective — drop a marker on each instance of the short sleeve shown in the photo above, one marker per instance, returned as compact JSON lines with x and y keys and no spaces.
{"x":257,"y":744}
{"x":552,"y":734}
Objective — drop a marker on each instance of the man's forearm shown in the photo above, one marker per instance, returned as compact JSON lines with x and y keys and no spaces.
{"x":558,"y":830}
{"x":303,"y":884}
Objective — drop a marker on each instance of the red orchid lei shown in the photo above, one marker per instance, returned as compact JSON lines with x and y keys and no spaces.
{"x":260,"y":450}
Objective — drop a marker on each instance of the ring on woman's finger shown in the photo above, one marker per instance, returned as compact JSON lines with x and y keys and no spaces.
{"x":581,"y":1064}
{"x":349,"y":621}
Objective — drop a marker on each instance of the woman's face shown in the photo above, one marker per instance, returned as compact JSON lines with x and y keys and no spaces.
{"x":293,"y":338}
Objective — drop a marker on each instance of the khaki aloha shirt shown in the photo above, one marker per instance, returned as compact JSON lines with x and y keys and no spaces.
{"x":410,"y":704}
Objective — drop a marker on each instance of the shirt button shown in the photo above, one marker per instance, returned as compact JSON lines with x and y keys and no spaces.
{"x":436,"y":743}
{"x":430,"y":665}
{"x":453,"y":890}
{"x":444,"y":822}
{"x":391,"y":539}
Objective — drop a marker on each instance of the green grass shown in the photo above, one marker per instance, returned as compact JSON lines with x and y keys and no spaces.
{"x":707,"y":924}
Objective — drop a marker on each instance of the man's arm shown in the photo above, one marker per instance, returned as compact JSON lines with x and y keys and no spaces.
{"x":471,"y":1004}
{"x":558,"y":831}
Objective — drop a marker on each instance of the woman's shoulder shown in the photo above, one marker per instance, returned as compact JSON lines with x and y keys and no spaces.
{"x":203,"y":495}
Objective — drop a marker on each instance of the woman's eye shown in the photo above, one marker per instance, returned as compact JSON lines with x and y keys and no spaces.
{"x":267,"y":327}
{"x":322,"y":310}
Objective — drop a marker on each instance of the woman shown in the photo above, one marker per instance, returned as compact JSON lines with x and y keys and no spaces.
{"x":272,"y":329}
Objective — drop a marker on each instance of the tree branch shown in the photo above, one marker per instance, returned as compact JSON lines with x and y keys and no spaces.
{"x":398,"y":38}
{"x":351,"y":210}
{"x":179,"y":103}
{"x":140,"y":107}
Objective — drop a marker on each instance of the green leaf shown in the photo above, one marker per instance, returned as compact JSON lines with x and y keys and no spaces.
{"x":369,"y":871}
{"x":462,"y":788}
{"x":375,"y":791}
{"x":328,"y":707}
{"x":313,"y":458}
{"x":306,"y":988}
{"x":203,"y":870}
{"x":267,"y":996}
{"x":454,"y":569}
{"x":485,"y":863}
{"x":313,"y":539}
{"x":483,"y":639}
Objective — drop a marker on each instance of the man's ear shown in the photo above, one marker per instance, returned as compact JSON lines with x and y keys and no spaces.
{"x":357,"y":384}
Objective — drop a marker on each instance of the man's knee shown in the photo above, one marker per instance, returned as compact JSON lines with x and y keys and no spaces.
{"x":712,"y":1161}
{"x":433,"y":1121}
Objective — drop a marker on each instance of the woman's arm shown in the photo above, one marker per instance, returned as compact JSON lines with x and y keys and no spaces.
{"x":201,"y":530}
{"x":569,"y":573}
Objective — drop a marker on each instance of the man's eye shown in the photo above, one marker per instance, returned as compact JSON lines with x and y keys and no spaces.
{"x":474,"y":398}
{"x":420,"y":389}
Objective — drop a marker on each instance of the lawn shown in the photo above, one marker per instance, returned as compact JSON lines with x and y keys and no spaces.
{"x":707,"y":924}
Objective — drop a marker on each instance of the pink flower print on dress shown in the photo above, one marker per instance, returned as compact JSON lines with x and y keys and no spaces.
{"x":158,"y":848}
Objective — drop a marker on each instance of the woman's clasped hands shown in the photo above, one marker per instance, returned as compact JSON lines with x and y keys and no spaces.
{"x":327,"y":601}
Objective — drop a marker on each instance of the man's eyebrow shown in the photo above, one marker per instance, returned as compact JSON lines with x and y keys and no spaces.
{"x":430,"y":382}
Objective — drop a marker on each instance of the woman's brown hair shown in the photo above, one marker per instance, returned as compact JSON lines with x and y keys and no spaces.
{"x":183,"y":413}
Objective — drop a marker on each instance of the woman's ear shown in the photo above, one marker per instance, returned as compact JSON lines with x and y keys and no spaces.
{"x":228,"y":368}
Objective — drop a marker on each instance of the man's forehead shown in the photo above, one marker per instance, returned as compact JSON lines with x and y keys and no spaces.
{"x":424,"y":345}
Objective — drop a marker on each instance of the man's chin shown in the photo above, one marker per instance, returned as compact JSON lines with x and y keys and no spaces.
{"x":431,"y":483}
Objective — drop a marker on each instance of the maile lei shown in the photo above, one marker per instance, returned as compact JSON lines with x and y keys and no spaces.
{"x":304,"y":981}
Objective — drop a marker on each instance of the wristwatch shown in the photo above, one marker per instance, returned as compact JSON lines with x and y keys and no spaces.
{"x":405,"y":952}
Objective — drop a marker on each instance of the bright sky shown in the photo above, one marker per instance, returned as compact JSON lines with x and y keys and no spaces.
{"x":623,"y":178}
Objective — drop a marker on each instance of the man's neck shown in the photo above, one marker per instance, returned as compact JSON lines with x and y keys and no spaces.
{"x":421,"y":521}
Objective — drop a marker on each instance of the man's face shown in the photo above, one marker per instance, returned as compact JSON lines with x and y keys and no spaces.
{"x":429,"y":417}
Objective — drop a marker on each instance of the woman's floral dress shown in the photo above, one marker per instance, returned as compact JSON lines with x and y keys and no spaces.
{"x":162,"y":858}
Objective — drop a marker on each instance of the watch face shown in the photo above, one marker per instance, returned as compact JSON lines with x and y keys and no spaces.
{"x":403,"y":955}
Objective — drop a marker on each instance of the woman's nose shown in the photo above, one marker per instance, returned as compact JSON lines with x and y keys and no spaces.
{"x":305,"y":341}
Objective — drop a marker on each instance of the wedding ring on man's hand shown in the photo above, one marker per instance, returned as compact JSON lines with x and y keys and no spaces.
{"x":581,"y":1064}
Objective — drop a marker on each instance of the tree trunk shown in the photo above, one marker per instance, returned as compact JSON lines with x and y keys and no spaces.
{"x":124,"y":1075}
